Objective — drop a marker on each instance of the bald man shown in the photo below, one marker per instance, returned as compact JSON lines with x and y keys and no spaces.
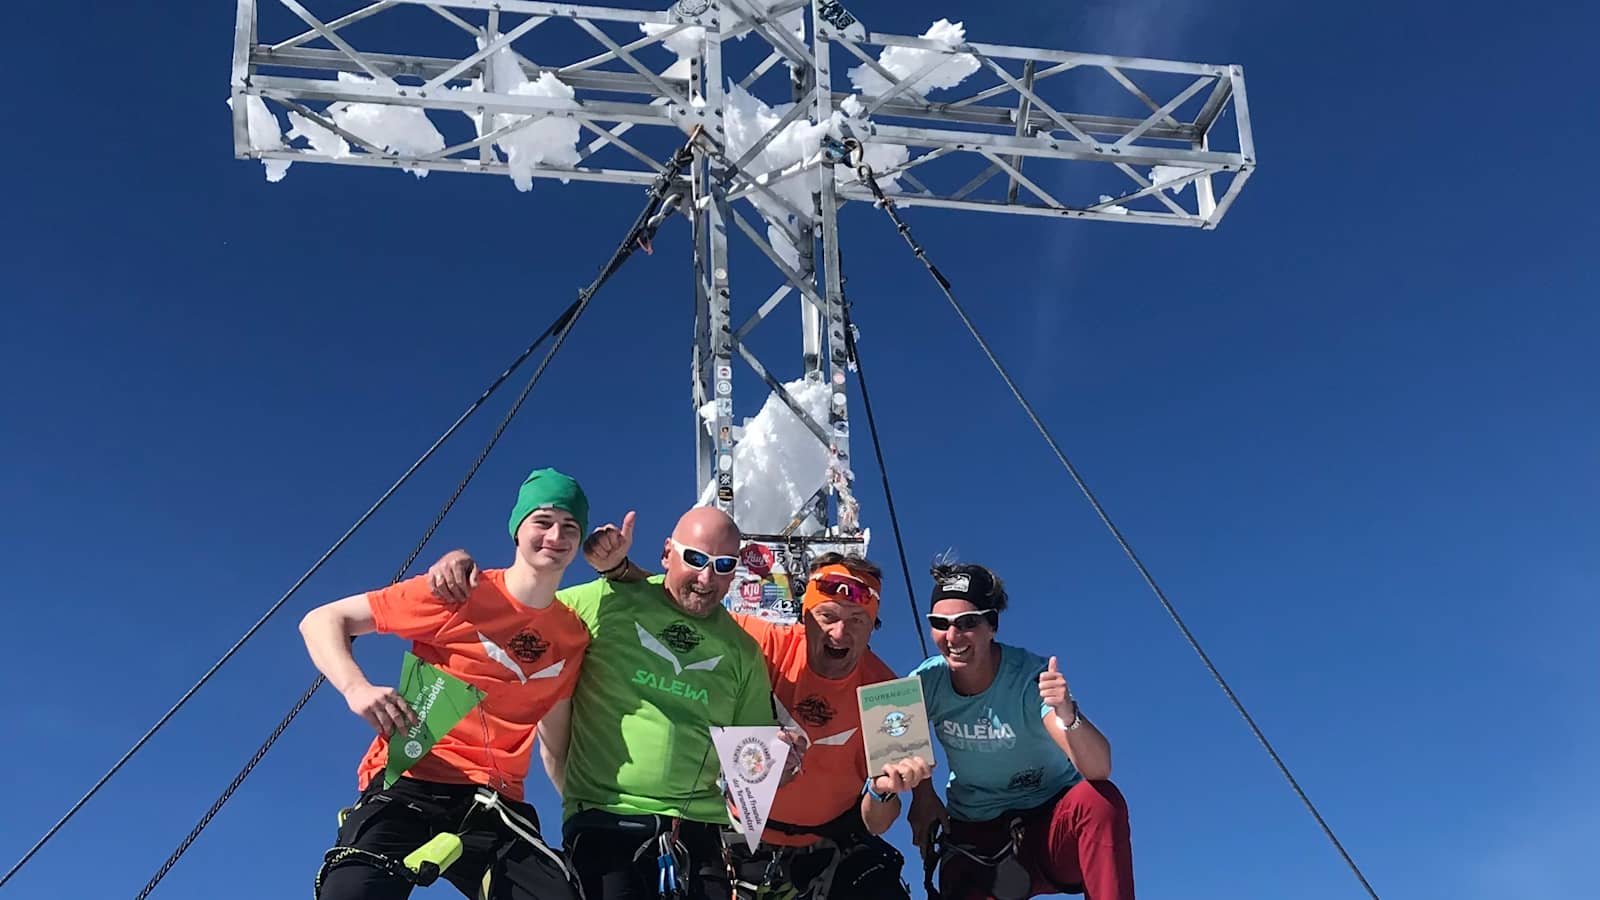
{"x":635,"y":763}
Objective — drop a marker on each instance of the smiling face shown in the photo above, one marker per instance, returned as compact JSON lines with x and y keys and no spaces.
{"x":699,"y":546}
{"x":967,"y":641}
{"x":548,"y":540}
{"x":836,"y":637}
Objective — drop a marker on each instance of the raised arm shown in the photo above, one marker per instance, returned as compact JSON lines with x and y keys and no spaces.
{"x":606,"y":549}
{"x":327,"y":631}
{"x":1077,"y":737}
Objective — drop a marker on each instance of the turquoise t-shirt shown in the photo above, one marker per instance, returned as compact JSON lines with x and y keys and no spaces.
{"x":1001,"y":757}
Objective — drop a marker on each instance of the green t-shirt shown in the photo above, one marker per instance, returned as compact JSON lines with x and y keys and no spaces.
{"x":653,"y":682}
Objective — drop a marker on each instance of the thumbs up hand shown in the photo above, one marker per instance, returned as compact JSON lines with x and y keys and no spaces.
{"x":607,"y":546}
{"x":1053,"y":688}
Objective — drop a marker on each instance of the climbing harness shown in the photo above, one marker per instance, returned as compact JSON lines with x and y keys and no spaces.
{"x":779,"y":869}
{"x":423,"y":866}
{"x":662,"y":852}
{"x":522,"y":828}
{"x":800,"y":872}
{"x":1012,"y":881}
{"x":669,"y":884}
{"x":669,"y":853}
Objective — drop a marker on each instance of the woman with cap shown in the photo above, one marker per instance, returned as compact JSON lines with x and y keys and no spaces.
{"x":1030,"y":808}
{"x":462,"y":792}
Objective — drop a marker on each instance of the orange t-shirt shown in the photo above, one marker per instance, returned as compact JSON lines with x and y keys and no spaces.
{"x":524,"y":660}
{"x":835,"y":767}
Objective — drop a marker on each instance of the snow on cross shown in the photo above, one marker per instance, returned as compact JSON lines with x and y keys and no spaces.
{"x":527,"y":90}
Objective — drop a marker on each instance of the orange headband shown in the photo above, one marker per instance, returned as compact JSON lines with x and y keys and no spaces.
{"x":815,"y":594}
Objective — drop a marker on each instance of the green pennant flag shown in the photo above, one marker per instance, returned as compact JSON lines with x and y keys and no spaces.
{"x":439,"y":699}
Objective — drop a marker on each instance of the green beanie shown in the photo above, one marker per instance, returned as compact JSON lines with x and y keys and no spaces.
{"x":549,"y":489}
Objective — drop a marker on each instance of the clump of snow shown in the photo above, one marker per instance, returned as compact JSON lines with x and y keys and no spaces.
{"x":322,"y":140}
{"x":265,"y":134}
{"x":1166,"y":174}
{"x":1114,"y":210}
{"x":747,"y":120}
{"x":778,"y":464}
{"x":686,"y":43}
{"x":904,"y":62}
{"x":852,"y":106}
{"x":548,"y":140}
{"x":404,"y":130}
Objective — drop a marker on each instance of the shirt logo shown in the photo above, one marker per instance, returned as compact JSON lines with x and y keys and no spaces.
{"x":1026,"y":780}
{"x":528,"y":646}
{"x":814,"y":710}
{"x":986,"y":733}
{"x":499,"y":655}
{"x":649,"y":642}
{"x":680,"y":636}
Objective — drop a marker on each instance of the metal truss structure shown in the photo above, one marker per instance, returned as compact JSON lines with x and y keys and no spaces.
{"x":1033,"y":132}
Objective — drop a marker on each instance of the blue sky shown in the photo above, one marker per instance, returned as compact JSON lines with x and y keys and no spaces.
{"x":1352,"y":432}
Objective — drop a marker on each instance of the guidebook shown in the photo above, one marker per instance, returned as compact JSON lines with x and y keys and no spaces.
{"x":894,"y":723}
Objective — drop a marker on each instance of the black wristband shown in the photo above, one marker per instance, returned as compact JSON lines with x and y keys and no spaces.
{"x":620,"y":568}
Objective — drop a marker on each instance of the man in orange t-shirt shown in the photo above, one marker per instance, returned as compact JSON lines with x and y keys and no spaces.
{"x":822,"y":834}
{"x":523,"y":651}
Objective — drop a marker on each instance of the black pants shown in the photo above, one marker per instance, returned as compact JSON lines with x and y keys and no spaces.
{"x":394,"y":822}
{"x":864,"y":867}
{"x":615,"y":857}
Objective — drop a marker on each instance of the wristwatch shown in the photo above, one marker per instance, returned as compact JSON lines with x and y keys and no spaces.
{"x":1077,"y":717}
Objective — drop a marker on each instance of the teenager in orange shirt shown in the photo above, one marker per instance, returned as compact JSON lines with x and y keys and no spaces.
{"x":523,"y":650}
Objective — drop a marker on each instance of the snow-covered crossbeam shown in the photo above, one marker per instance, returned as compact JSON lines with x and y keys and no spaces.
{"x":947,"y":121}
{"x":515,"y":89}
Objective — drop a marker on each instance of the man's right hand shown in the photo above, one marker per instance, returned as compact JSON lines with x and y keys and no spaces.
{"x":382,"y":707}
{"x":926,"y":809}
{"x":453,"y":577}
{"x":607,"y":547}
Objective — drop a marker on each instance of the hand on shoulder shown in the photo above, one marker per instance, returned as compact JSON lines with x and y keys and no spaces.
{"x":453,"y":577}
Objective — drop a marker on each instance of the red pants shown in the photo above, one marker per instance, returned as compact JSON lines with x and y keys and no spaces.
{"x":1080,"y":843}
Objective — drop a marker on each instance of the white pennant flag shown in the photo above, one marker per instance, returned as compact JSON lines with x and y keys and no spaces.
{"x":753,"y":757}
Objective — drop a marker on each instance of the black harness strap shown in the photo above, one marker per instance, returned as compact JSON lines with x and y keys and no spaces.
{"x":339,"y":856}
